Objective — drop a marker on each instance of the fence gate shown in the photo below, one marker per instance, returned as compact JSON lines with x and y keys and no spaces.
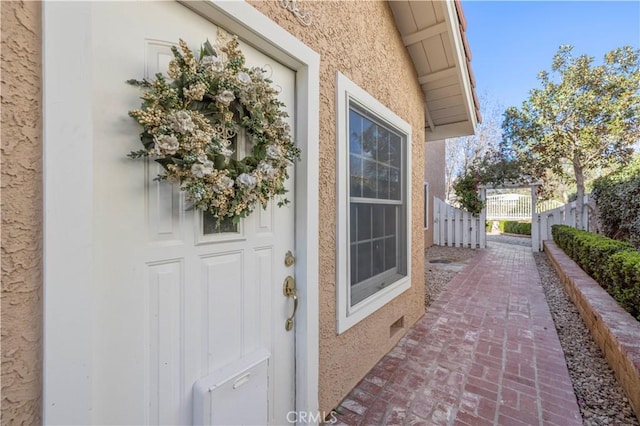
{"x":457,"y":228}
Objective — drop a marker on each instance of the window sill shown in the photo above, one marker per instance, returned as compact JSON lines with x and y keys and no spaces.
{"x":351,"y":316}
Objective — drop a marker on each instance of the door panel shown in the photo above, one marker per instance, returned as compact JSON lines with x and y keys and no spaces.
{"x":174,"y":305}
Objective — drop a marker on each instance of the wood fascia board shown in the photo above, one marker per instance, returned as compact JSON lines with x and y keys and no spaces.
{"x":446,"y":131}
{"x":457,"y":45}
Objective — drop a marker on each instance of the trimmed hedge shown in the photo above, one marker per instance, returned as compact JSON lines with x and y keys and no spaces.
{"x":522,"y":228}
{"x":618,"y":198}
{"x":615,"y":265}
{"x":511,"y":227}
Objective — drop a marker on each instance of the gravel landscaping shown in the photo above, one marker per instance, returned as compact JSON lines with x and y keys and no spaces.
{"x":600,"y":398}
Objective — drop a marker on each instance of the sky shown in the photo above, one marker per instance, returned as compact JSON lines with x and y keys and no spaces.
{"x":512,"y":41}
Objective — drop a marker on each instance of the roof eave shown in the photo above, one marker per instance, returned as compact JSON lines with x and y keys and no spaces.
{"x":445,"y":117}
{"x":462,"y":70}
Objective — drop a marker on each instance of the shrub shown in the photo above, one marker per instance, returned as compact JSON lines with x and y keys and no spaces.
{"x":615,"y":265}
{"x":521,"y":228}
{"x":617,"y":196}
{"x":511,"y":227}
{"x":622,"y":275}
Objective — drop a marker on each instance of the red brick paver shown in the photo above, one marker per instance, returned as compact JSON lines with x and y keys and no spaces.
{"x":485,"y":353}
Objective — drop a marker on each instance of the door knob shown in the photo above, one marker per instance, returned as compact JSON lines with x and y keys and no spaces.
{"x":289,"y":289}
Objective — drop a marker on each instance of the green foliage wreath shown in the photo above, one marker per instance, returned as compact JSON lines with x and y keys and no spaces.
{"x":191,"y":122}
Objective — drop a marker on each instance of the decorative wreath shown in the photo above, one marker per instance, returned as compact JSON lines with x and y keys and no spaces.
{"x":192,"y":122}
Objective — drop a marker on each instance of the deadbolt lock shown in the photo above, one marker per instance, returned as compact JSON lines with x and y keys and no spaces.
{"x":289,"y":259}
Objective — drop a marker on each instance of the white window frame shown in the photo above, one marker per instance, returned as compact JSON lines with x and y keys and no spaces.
{"x":347,"y":315}
{"x":426,"y":206}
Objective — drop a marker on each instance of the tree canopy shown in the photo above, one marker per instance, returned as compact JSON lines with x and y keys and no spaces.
{"x":584,"y":116}
{"x":464,"y":151}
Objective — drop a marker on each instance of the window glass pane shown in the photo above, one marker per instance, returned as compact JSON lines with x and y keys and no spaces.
{"x":383,"y":182}
{"x":383,"y":145}
{"x":369,"y":185}
{"x":378,"y":221}
{"x":364,"y":261}
{"x":378,"y":257}
{"x":211,"y":226}
{"x":363,"y":222}
{"x":368,"y":138}
{"x":390,"y":258}
{"x":375,"y":160}
{"x":355,"y":133}
{"x":395,"y":150}
{"x":395,"y":184}
{"x":355,"y":170}
{"x":352,"y":225}
{"x":390,"y":226}
{"x":354,"y":263}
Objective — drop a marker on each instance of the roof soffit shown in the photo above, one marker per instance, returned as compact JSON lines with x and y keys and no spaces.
{"x":433,"y":33}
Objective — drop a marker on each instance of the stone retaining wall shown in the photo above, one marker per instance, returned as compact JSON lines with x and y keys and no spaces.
{"x":614,"y":329}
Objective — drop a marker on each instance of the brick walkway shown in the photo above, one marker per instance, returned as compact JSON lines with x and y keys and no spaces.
{"x":485,"y":353}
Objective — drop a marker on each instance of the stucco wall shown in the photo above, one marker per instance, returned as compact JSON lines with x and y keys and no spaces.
{"x":360,"y":40}
{"x":434,"y":173}
{"x":21,"y":213}
{"x":368,"y":51}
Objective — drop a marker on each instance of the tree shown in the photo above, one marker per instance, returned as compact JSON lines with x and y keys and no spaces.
{"x":584,"y":117}
{"x":462,"y":152}
{"x":495,"y":168}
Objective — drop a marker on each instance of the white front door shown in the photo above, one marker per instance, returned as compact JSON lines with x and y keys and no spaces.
{"x":175,"y":300}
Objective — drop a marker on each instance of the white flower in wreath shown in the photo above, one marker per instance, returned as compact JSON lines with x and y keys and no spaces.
{"x":258,"y":72}
{"x":243,"y":77}
{"x":226,"y":152}
{"x":247,"y":180}
{"x":181,"y":122}
{"x":225,"y":148}
{"x":200,"y":170}
{"x":266,"y":169}
{"x":274,"y":152}
{"x":226,"y":97}
{"x":213,"y":63}
{"x":223,"y":183}
{"x":167,"y":144}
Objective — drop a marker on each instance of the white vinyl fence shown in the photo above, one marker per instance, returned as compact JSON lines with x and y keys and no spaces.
{"x":457,"y":228}
{"x":565,"y":215}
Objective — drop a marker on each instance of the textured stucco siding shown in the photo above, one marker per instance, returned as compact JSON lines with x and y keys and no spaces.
{"x":359,"y":39}
{"x":21,"y":213}
{"x":434,"y":173}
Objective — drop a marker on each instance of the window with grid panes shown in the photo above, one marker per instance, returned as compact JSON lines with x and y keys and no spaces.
{"x":377,"y":227}
{"x":373,"y":209}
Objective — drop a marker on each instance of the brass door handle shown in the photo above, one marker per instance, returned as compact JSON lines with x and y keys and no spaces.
{"x":290,"y":291}
{"x":289,"y":324}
